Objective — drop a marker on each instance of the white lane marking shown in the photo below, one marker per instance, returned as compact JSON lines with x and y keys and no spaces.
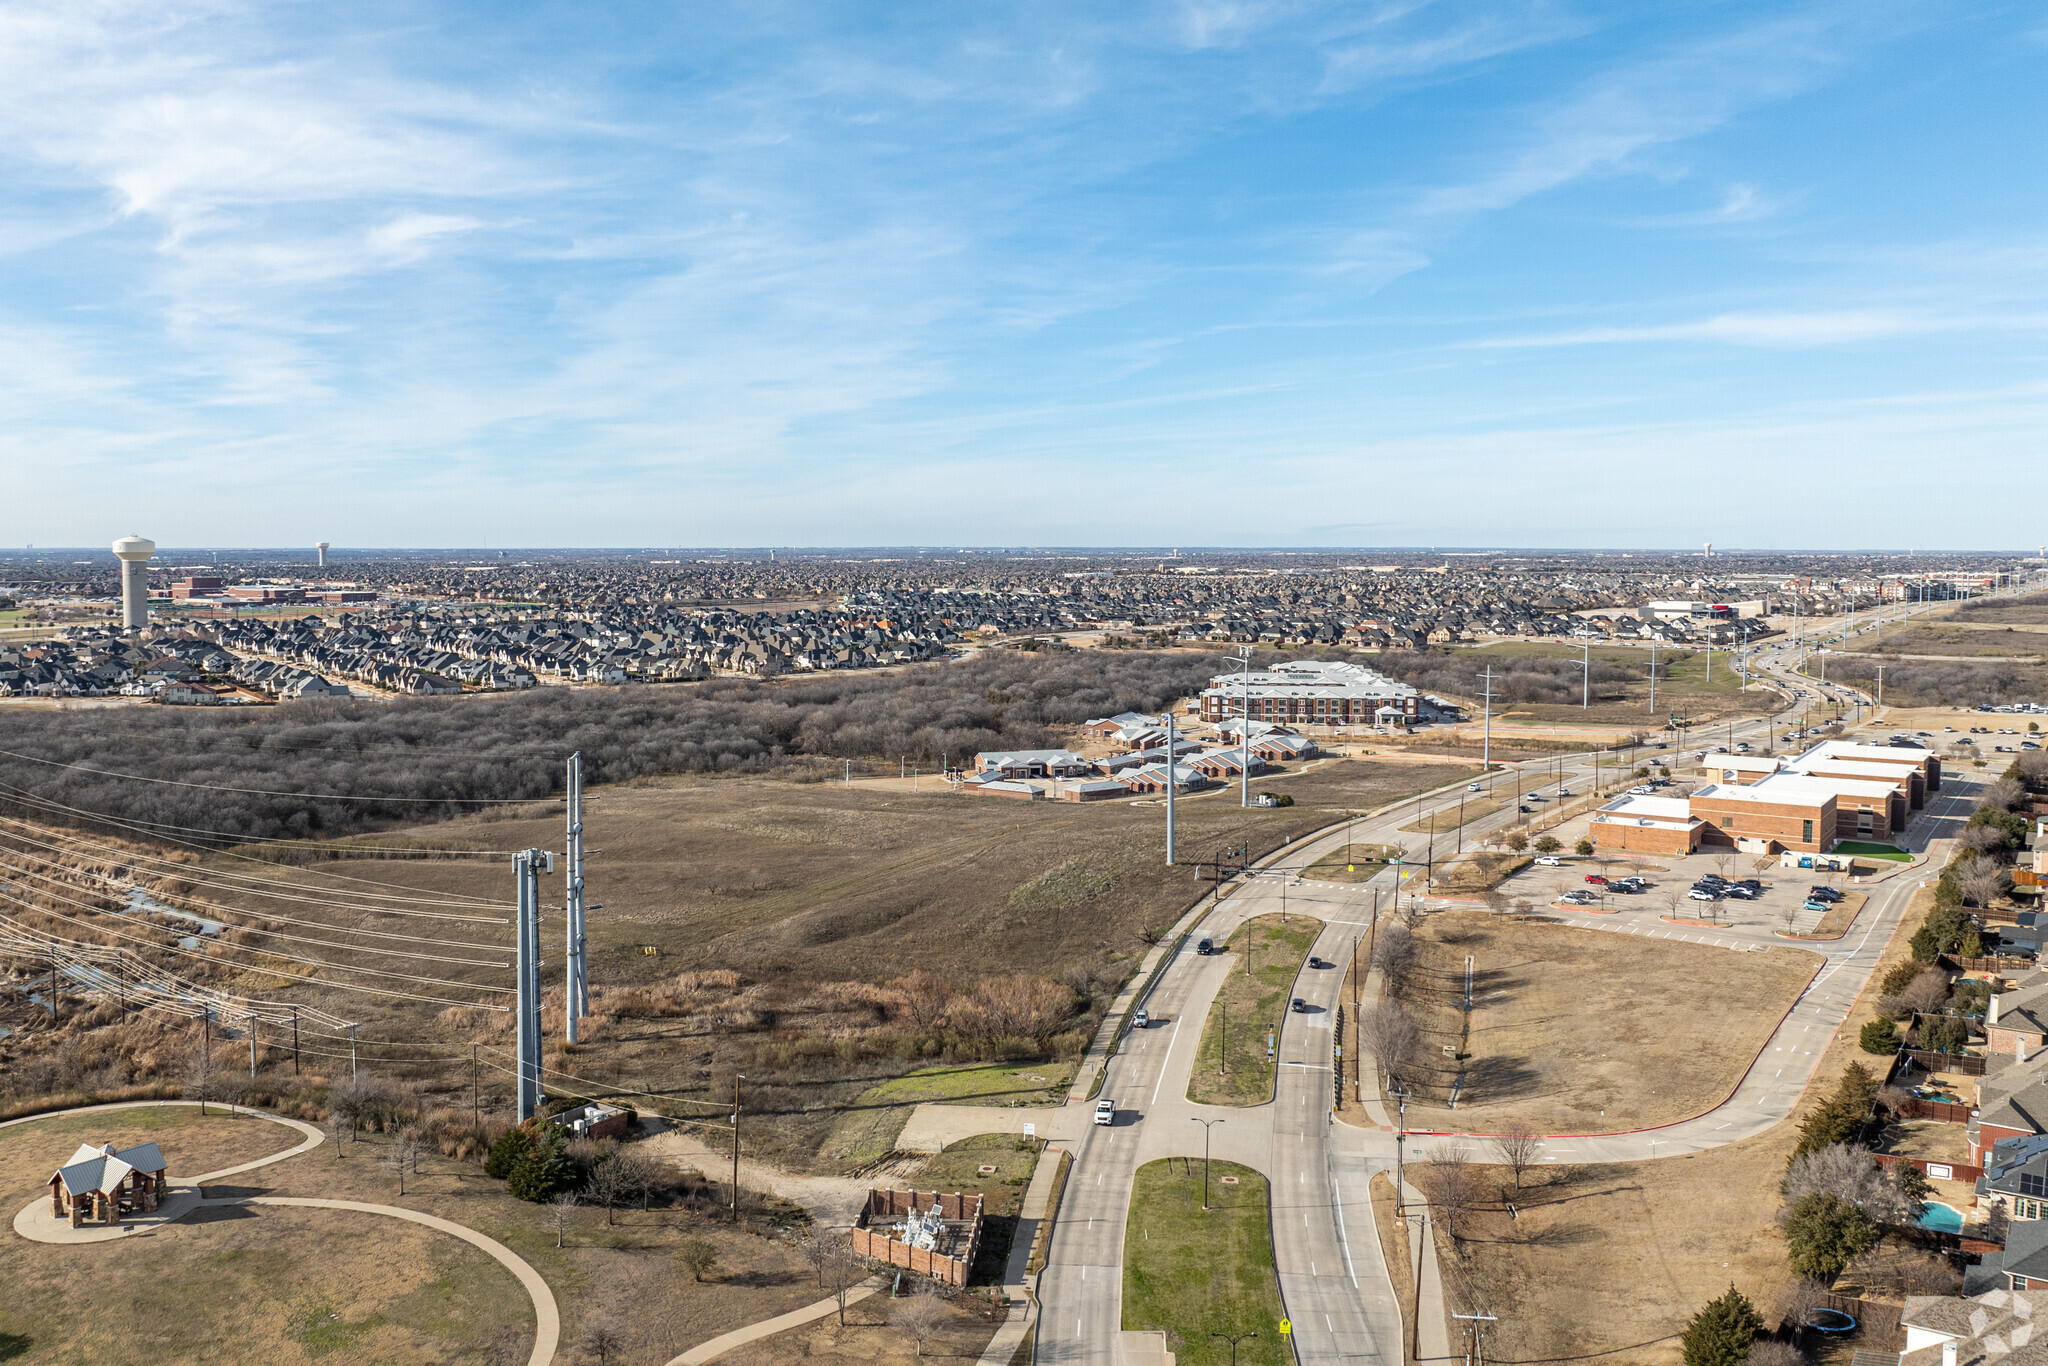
{"x":1165,"y":1063}
{"x":1343,"y":1237}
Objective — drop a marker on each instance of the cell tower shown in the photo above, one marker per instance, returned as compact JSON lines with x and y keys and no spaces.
{"x":134,"y":553}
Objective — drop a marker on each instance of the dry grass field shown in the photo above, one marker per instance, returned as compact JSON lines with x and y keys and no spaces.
{"x":1612,"y":1260}
{"x":874,"y":1333}
{"x":1575,"y":1032}
{"x":774,"y":910}
{"x":1964,"y":639}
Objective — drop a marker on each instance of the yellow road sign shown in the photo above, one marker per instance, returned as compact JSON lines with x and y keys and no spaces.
{"x":1286,"y":1327}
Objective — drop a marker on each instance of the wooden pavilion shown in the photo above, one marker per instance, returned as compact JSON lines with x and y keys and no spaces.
{"x":99,"y":1185}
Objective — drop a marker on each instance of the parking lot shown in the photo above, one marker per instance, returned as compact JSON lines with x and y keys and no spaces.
{"x":1781,"y":907}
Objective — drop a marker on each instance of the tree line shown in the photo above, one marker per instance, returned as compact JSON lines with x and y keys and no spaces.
{"x":315,"y":769}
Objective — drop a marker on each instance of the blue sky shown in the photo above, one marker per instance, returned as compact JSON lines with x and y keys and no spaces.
{"x":1277,"y":274}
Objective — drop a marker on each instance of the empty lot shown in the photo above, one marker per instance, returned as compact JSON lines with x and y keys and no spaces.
{"x":1577,"y":1032}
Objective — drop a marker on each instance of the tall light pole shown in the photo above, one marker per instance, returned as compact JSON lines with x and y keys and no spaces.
{"x":1586,"y":676}
{"x":1486,"y":727}
{"x":576,"y":995}
{"x":1244,"y":734}
{"x":1169,"y":785}
{"x":1207,"y":1125}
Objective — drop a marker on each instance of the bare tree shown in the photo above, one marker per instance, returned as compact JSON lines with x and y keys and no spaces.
{"x":1518,"y":1145}
{"x":815,"y":1251}
{"x":1393,"y":955}
{"x":844,"y":1269}
{"x":1801,"y":1298}
{"x":1446,"y":1180}
{"x":558,"y":1212}
{"x":398,"y":1155}
{"x":922,"y":1315}
{"x":607,"y":1184}
{"x":639,"y":1176}
{"x":1982,"y":881}
{"x":1771,"y":1352}
{"x":603,"y":1338}
{"x":1388,"y":1034}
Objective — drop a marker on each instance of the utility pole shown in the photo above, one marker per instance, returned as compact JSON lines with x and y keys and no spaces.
{"x":576,"y":989}
{"x":1586,"y":679}
{"x":252,"y":1048}
{"x":1473,"y":1355}
{"x":527,"y":864}
{"x":737,"y":1078}
{"x":1486,"y":727}
{"x":476,"y":1091}
{"x":354,"y":1072}
{"x":1400,"y":1138}
{"x":1207,"y":1125}
{"x":295,"y":1041}
{"x":1653,"y":676}
{"x":1169,"y":785}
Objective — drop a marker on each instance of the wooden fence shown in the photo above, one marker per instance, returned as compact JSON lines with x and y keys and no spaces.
{"x":1941,"y":1171}
{"x":1917,"y":1108}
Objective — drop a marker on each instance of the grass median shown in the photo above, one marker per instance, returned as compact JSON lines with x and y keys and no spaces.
{"x":1190,"y":1272}
{"x":1353,"y":863}
{"x":1232,"y":1067}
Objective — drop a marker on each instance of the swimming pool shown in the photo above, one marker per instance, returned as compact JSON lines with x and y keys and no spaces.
{"x":1942,"y":1218}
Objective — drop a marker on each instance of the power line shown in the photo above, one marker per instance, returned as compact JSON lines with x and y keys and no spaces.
{"x":268,"y":791}
{"x":225,"y":881}
{"x":144,"y":829}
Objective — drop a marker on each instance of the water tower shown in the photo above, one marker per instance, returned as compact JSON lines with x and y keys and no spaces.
{"x":134,"y":553}
{"x":322,"y":548}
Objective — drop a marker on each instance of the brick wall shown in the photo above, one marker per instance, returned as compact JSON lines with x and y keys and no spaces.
{"x":1642,"y":839}
{"x":1782,"y":822}
{"x":871,"y":1236}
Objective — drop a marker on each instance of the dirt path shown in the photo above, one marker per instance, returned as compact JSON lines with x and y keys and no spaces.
{"x":834,"y":1201}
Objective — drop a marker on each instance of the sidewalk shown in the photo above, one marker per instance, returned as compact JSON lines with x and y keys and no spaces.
{"x":1020,"y":1288}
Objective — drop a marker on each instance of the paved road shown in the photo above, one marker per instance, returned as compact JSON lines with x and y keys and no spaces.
{"x":1333,"y":1279}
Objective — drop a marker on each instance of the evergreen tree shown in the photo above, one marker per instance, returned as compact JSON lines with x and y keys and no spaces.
{"x":505,"y":1153}
{"x":1824,"y":1233}
{"x":545,"y":1169}
{"x":1879,"y":1036}
{"x":1721,"y":1333}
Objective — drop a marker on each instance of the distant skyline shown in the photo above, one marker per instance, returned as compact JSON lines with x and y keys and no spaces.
{"x":1287,"y":275}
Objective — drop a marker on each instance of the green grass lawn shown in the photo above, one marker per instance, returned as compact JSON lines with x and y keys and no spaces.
{"x":1352,"y":863}
{"x":1192,"y":1273}
{"x":1249,"y":1007}
{"x":866,"y":1131}
{"x":1867,"y":849}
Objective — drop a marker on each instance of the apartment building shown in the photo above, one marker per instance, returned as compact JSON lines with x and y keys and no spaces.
{"x":1307,"y":692}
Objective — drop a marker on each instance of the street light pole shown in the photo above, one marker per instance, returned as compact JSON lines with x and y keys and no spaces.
{"x":737,"y":1078}
{"x":1233,"y":1339}
{"x":1207,"y":1125}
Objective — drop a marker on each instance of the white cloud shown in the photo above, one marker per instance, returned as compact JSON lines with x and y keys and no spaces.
{"x":1790,"y":330}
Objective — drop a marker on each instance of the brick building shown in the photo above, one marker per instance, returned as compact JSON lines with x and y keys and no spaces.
{"x":1648,"y":825}
{"x":1784,"y":811}
{"x":1307,"y":692}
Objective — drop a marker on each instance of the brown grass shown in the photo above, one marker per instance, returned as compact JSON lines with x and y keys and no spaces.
{"x":962,"y":1335}
{"x":1615,"y":1259}
{"x":776,"y":908}
{"x":1569,"y":1023}
{"x":1394,"y":1248}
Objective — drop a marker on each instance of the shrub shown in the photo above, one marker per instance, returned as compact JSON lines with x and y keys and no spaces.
{"x":1896,"y":980}
{"x":1584,"y":848}
{"x":1721,"y":1333}
{"x":1879,"y":1036}
{"x":511,"y":1145}
{"x":1945,"y":1034}
{"x":1547,"y":844}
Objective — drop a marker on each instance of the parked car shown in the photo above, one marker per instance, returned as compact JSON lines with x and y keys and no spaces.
{"x":1549,"y":861}
{"x":1105,"y":1112}
{"x":1813,"y":905}
{"x":1596,"y":879}
{"x":1578,"y":898}
{"x":1741,"y":893}
{"x":1823,"y":894}
{"x":1697,"y":895}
